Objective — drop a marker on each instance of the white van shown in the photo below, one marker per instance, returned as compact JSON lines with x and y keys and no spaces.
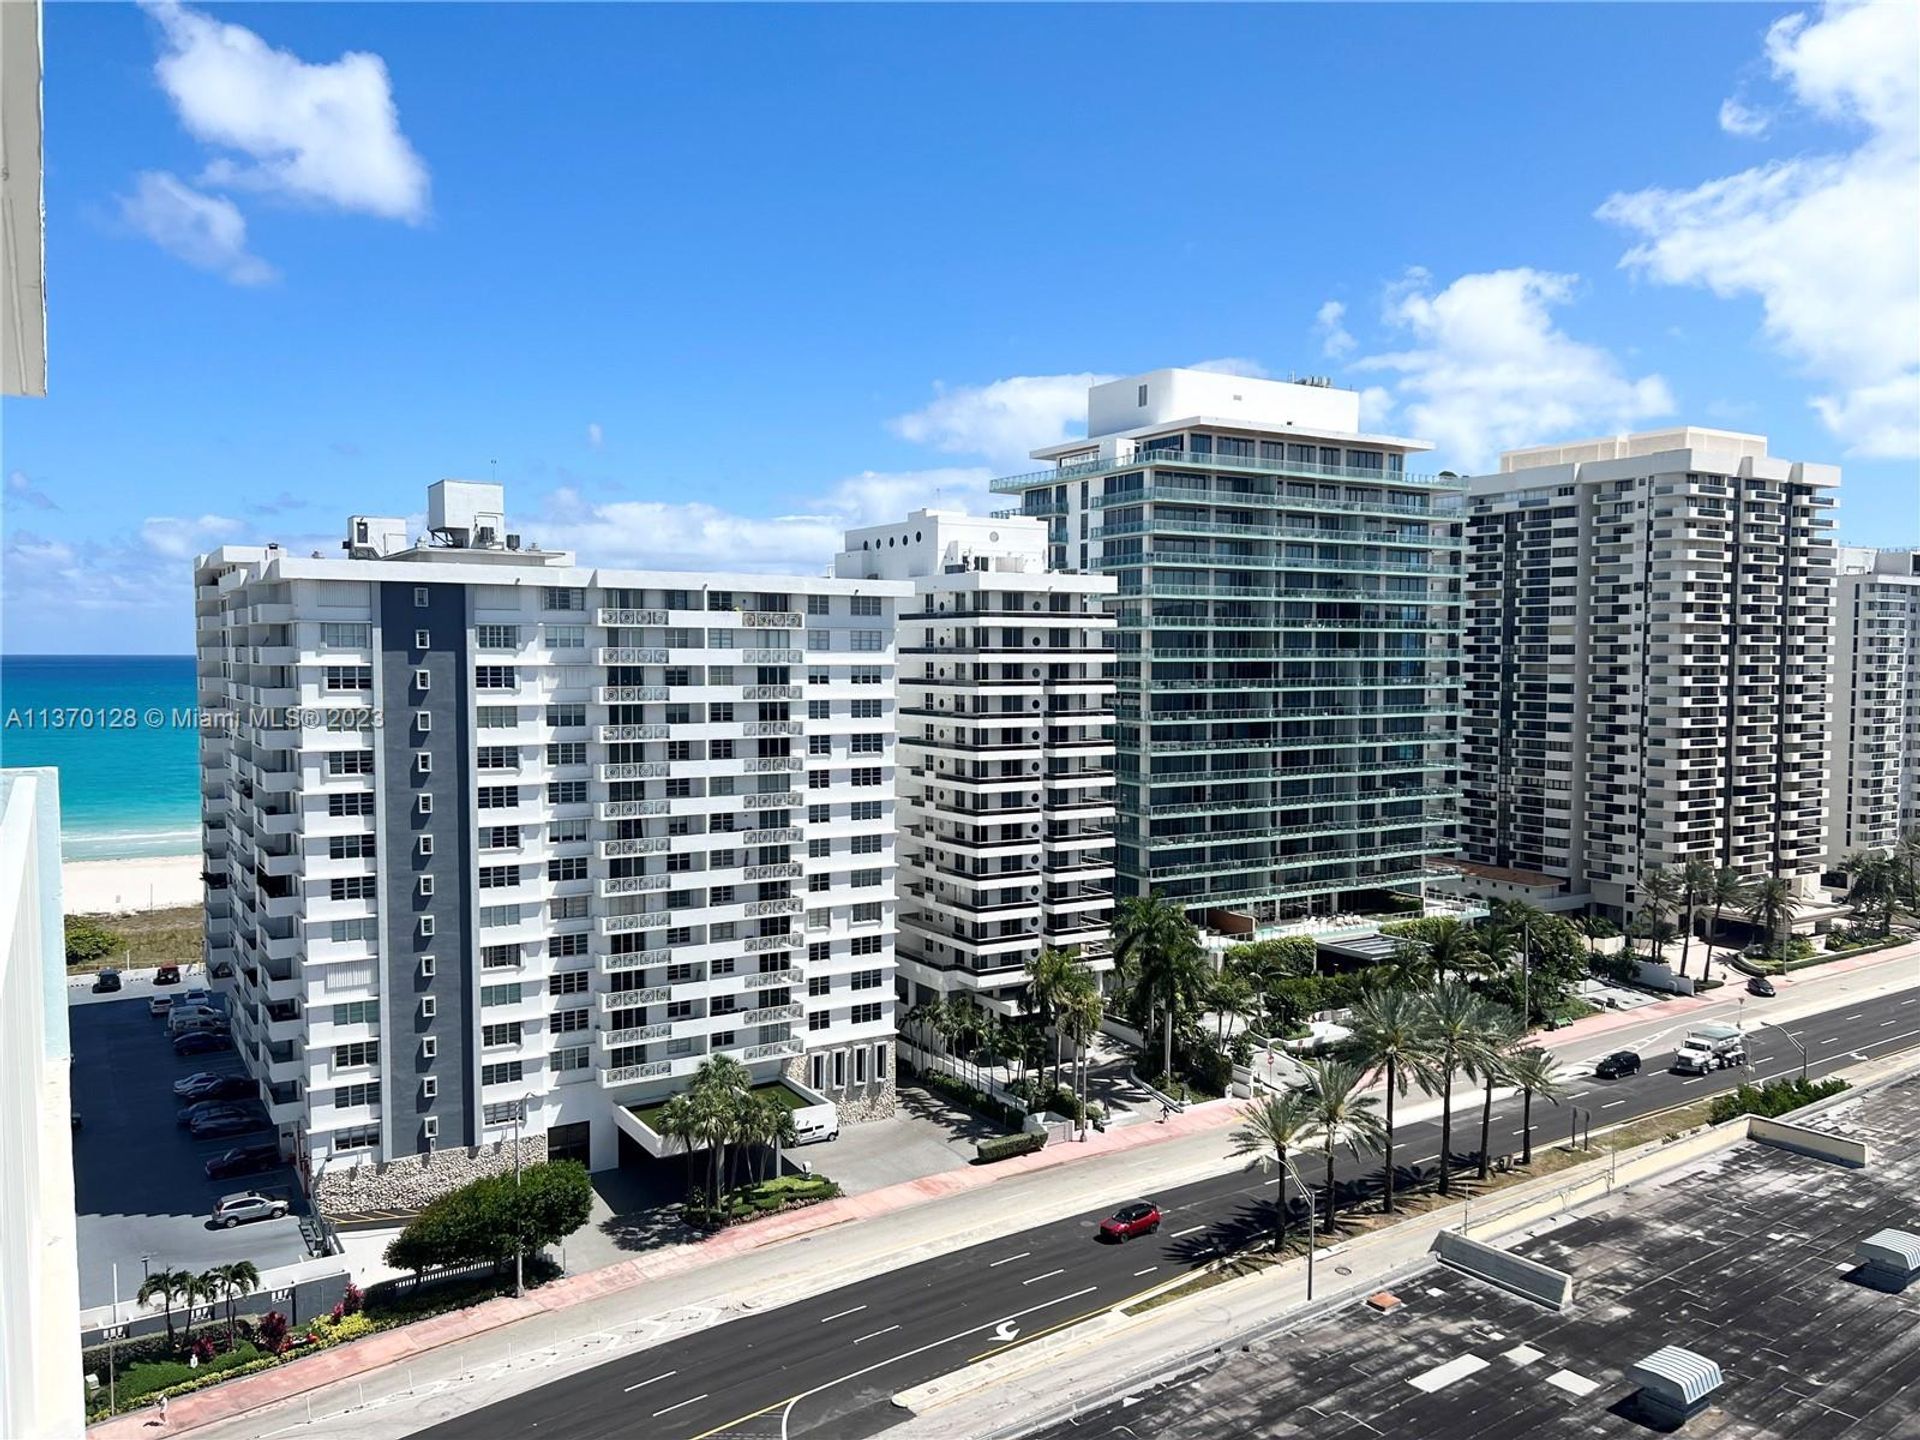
{"x":187,"y":1022}
{"x":816,"y":1122}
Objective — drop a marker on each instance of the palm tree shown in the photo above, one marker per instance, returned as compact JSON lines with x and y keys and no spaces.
{"x":1390,"y":1028}
{"x":232,"y":1282}
{"x":1728,"y":888}
{"x":1487,"y":1063}
{"x":167,"y":1287}
{"x":1082,"y":1008}
{"x":197,"y":1287}
{"x":720,"y":1089}
{"x":1453,"y":946}
{"x":1660,"y":891}
{"x":1873,"y":880}
{"x":1771,"y":906}
{"x":1532,"y":1069}
{"x":1341,"y":1115}
{"x":1156,"y":943}
{"x":1276,"y":1126}
{"x":1231,"y":995}
{"x":1454,"y":1019}
{"x":679,"y":1119}
{"x":1696,"y":883}
{"x":1908,"y":851}
{"x":1048,"y":975}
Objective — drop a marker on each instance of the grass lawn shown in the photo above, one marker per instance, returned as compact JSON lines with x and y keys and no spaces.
{"x":649,"y":1115}
{"x":156,"y":937}
{"x":151,"y":1375}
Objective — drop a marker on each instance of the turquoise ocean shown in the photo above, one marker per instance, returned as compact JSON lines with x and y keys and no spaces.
{"x":128,"y":786}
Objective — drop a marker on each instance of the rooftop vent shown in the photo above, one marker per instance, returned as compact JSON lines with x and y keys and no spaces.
{"x":1888,"y":1259}
{"x":1675,"y":1384}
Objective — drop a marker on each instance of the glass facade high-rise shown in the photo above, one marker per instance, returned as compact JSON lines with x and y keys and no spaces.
{"x":1288,"y":640}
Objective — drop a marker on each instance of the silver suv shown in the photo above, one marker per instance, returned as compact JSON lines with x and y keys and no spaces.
{"x":247,"y":1205}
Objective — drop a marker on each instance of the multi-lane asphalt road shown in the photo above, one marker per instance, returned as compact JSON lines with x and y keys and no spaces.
{"x":827,"y":1366}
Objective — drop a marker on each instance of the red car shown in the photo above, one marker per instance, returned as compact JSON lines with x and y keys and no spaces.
{"x":1140,"y":1218}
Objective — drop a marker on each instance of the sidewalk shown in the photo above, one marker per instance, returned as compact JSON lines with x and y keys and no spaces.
{"x":402,"y":1380}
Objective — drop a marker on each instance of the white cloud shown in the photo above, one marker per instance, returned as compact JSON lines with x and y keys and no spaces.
{"x":1825,"y":242}
{"x":1003,"y":420}
{"x":181,"y":539}
{"x":22,"y":491}
{"x":1738,"y":119}
{"x":1329,"y":322}
{"x":321,"y":134}
{"x":206,"y":231}
{"x":1232,"y":365}
{"x":596,"y":437}
{"x":697,"y":535}
{"x":1491,"y":371}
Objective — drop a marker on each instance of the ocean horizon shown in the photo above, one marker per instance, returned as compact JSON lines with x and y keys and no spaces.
{"x":117,"y":727}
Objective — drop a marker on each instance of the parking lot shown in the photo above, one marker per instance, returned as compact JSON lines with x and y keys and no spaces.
{"x":139,"y":1182}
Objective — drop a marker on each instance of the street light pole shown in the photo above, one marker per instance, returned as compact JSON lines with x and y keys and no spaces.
{"x":519,"y":1247}
{"x":1526,"y":955}
{"x":1313,"y":1221}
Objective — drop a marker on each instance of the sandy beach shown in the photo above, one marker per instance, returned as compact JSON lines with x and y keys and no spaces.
{"x":113,"y":887}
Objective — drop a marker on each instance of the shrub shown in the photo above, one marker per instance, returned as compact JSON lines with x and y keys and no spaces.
{"x":788,"y":1192}
{"x":481,"y":1221}
{"x":966,"y":1095}
{"x":354,"y":1300}
{"x":273,"y":1331}
{"x":88,"y":940}
{"x":1005,"y":1147}
{"x":1776,"y":1097}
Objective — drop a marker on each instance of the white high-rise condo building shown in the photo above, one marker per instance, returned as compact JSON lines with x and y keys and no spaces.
{"x":1873,"y":792}
{"x":1288,"y":623}
{"x":1006,"y":753}
{"x":1649,"y":643}
{"x":492,"y":837}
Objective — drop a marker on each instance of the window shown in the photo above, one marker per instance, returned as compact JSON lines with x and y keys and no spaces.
{"x":860,"y":1067}
{"x":429,"y":1088}
{"x":866,"y":605}
{"x":499,"y":914}
{"x":356,"y":1054}
{"x":819,"y":605}
{"x":354,"y":804}
{"x":426,"y":925}
{"x":865,"y":675}
{"x":866,"y":710}
{"x":423,"y":720}
{"x":819,"y":952}
{"x":572,"y":752}
{"x":424,"y":804}
{"x":866,"y":980}
{"x":429,"y":1007}
{"x":420,"y":597}
{"x":508,"y":994}
{"x":348,"y":677}
{"x":818,"y":985}
{"x":426,"y":885}
{"x":818,"y":1020}
{"x":422,"y":639}
{"x":423,"y":680}
{"x":426,"y":845}
{"x":496,"y":717}
{"x":497,"y":757}
{"x":352,"y":887}
{"x":561,"y":597}
{"x":571,"y":867}
{"x":819,"y":709}
{"x":562,"y":946}
{"x":868,"y":844}
{"x":865,"y":945}
{"x":569,"y":982}
{"x":819,"y":639}
{"x":358,"y":1137}
{"x":350,"y":847}
{"x":819,"y":849}
{"x":566,"y":717}
{"x":426,"y":967}
{"x":879,"y":1062}
{"x":819,"y":779}
{"x":574,"y":1057}
{"x":839,"y":1069}
{"x":346,"y":932}
{"x":500,"y":797}
{"x":869,"y":640}
{"x":868,"y":914}
{"x":567,"y":792}
{"x":505,"y":1033}
{"x":866,"y":1014}
{"x":866,"y":776}
{"x":819,"y":745}
{"x":357,"y":1012}
{"x":504,"y":1073}
{"x":819,"y":814}
{"x":564,"y":832}
{"x":567,"y":637}
{"x":864,"y":810}
{"x":429,"y":1047}
{"x":497,"y":637}
{"x":423,"y":761}
{"x":868,"y":744}
{"x":494,"y":877}
{"x":564,"y":1021}
{"x":493,"y":677}
{"x":345,"y":635}
{"x":499,"y":957}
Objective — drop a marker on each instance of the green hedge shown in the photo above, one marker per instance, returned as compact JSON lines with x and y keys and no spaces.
{"x":966,"y":1095}
{"x":749,"y":1202}
{"x":479,"y":1223}
{"x":1776,"y":1097}
{"x":1005,"y":1147}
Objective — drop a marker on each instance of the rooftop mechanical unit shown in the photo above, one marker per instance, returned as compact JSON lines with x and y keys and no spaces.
{"x":1675,"y":1384}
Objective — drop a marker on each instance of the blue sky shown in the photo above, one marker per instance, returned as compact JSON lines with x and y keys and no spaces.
{"x":709,"y":284}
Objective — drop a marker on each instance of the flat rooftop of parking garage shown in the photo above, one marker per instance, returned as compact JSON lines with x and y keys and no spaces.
{"x":1746,"y":1257}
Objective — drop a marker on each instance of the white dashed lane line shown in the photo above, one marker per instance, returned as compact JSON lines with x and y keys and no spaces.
{"x":1010,"y":1259}
{"x":644,"y":1383}
{"x":1048,"y":1276}
{"x":1190,"y":1230}
{"x":874,"y":1335}
{"x":842,"y":1314}
{"x":681,"y":1406}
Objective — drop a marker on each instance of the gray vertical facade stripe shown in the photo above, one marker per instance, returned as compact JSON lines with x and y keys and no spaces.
{"x":446,"y":703}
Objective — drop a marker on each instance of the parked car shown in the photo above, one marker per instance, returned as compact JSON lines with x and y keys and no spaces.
{"x":202,"y":1042}
{"x":181,"y":1019}
{"x":1617,"y":1065}
{"x":161,"y":1005}
{"x":206,"y":1109}
{"x":187,"y":1082}
{"x":1761,"y":986}
{"x":244,"y":1160}
{"x":167,"y":975}
{"x":221,"y":1087}
{"x":247,"y":1205}
{"x":106,"y":980}
{"x":1140,"y":1218}
{"x":230,"y":1122}
{"x":200,"y":996}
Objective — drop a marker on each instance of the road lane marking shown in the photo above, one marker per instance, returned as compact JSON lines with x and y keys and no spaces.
{"x":1611,"y":1103}
{"x":681,"y":1406}
{"x":1828,"y":1041}
{"x":877,"y":1333}
{"x":843,"y":1314}
{"x":789,"y":1403}
{"x":1010,"y":1259}
{"x":1911,"y":1002}
{"x":1695,"y":1081}
{"x":1048,"y":1276}
{"x":1190,"y":1230}
{"x":631,"y":1388}
{"x":1856,"y":1015}
{"x":1148,"y":1271}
